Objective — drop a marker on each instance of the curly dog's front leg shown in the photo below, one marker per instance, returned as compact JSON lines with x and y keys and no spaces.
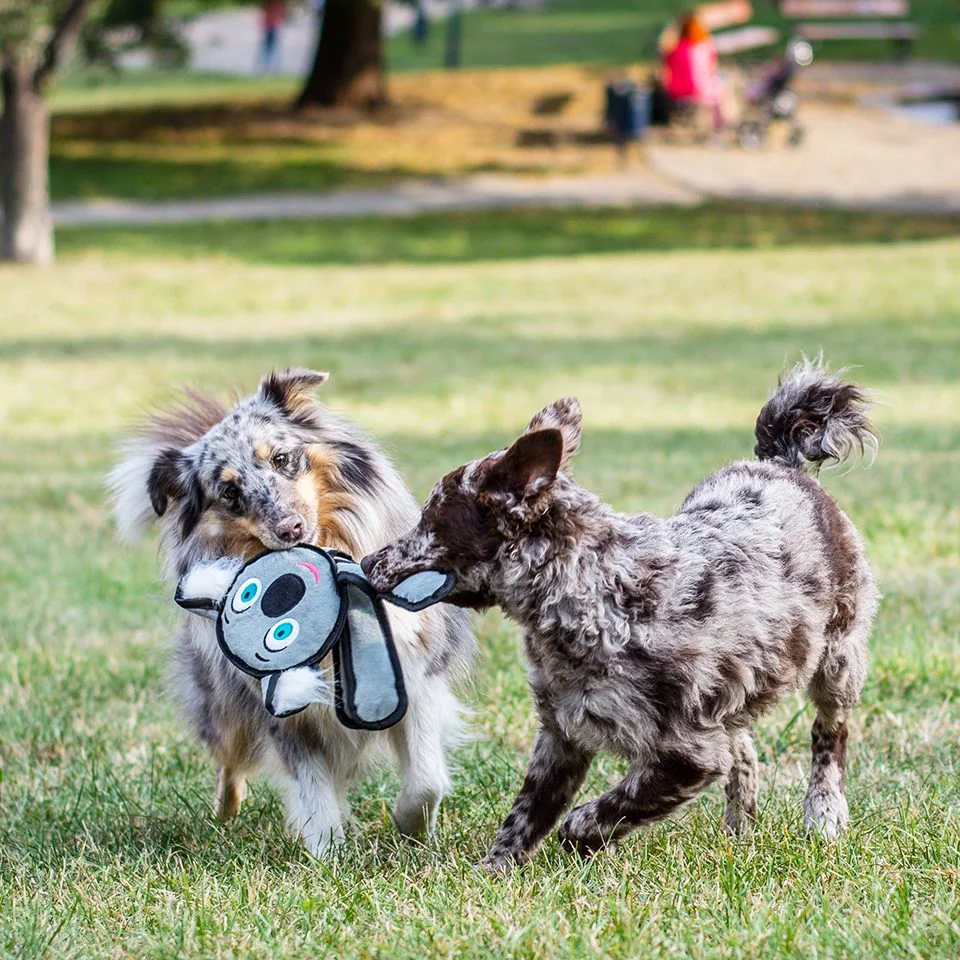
{"x":556,"y":771}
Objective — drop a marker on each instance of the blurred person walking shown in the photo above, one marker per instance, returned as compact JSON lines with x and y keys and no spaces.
{"x":272,"y":15}
{"x":420,"y":29}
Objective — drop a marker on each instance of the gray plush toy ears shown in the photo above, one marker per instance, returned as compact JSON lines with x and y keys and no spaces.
{"x":203,"y":588}
{"x":421,"y":590}
{"x":417,"y":592}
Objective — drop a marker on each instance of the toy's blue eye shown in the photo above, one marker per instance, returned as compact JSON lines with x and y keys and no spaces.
{"x":245,"y":597}
{"x":281,"y":634}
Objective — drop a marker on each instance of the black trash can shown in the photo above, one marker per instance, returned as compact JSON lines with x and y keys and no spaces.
{"x":627,"y":112}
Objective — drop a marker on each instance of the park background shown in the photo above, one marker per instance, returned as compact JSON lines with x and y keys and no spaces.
{"x":524,"y":258}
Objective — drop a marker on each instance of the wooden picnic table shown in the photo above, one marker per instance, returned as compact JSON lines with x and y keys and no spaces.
{"x":887,"y":17}
{"x":732,"y":42}
{"x":718,"y":18}
{"x":802,"y":9}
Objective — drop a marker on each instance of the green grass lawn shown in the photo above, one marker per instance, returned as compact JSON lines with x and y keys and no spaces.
{"x":107,"y":846}
{"x":82,"y":91}
{"x":624,"y":31}
{"x":464,"y":237}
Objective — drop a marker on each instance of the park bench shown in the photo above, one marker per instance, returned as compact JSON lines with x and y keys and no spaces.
{"x":886,"y":21}
{"x":729,"y":23}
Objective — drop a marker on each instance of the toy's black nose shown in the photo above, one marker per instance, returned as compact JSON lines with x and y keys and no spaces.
{"x":282,"y":595}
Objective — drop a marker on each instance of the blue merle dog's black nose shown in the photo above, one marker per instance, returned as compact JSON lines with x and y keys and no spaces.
{"x":282,"y":595}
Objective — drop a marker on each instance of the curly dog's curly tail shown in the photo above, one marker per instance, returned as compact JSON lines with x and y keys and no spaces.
{"x":814,"y":416}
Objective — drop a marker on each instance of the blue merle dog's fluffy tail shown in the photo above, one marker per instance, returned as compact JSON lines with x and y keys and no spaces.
{"x":812,"y":417}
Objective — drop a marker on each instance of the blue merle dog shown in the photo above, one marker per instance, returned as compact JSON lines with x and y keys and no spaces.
{"x":275,"y":470}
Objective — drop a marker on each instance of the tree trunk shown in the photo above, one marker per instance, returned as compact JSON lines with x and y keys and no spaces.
{"x":348,"y":65}
{"x":24,"y":155}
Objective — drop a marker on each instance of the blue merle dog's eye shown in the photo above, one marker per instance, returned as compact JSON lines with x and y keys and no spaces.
{"x":245,"y":597}
{"x":281,"y":634}
{"x":230,"y":497}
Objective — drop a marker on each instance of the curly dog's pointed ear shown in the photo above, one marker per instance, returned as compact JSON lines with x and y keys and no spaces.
{"x":527,"y":468}
{"x":290,"y":389}
{"x":563,"y":415}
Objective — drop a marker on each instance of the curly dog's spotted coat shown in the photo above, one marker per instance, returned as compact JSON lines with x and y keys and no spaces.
{"x":661,"y":640}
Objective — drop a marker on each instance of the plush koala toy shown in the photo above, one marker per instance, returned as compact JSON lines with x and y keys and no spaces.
{"x":281,"y":613}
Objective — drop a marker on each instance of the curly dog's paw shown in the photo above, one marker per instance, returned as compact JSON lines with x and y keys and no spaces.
{"x":579,"y":833}
{"x":497,"y":864}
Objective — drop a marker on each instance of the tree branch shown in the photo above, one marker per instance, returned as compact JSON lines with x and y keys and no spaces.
{"x":65,"y":33}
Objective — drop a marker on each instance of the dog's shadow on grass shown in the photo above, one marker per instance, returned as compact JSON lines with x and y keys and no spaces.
{"x":114,"y":822}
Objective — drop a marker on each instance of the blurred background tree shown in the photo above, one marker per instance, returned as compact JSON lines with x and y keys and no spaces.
{"x":118,"y":26}
{"x":348,"y":64}
{"x":36,"y":36}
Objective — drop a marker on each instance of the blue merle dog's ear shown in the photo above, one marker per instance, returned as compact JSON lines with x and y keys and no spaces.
{"x":172,"y":477}
{"x":203,"y":588}
{"x":289,"y":389}
{"x":563,"y":415}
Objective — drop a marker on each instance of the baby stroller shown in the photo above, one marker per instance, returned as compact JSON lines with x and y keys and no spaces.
{"x":769,"y":98}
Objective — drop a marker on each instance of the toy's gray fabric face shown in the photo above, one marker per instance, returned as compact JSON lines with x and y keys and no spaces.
{"x":281,"y":613}
{"x":282,"y":610}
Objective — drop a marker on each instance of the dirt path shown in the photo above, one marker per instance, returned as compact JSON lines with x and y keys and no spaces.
{"x":851,"y":157}
{"x":488,"y":192}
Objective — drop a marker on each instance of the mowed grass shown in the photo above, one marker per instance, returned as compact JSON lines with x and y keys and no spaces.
{"x":466,"y":237}
{"x":108,"y":848}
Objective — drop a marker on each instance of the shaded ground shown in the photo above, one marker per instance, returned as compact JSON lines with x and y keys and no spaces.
{"x":476,"y":135}
{"x":438,"y":125}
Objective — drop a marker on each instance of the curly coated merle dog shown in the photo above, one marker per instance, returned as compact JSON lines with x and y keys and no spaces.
{"x":662,"y":640}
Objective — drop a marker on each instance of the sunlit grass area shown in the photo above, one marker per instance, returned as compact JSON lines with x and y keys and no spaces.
{"x":107,"y":845}
{"x":84,"y":89}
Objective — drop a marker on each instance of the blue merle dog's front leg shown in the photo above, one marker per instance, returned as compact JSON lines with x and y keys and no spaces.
{"x":556,"y":771}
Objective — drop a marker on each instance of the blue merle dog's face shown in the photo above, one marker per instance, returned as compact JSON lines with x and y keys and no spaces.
{"x":281,"y":610}
{"x":252,"y":481}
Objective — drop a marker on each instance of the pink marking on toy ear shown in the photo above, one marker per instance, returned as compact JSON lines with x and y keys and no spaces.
{"x":311,"y":568}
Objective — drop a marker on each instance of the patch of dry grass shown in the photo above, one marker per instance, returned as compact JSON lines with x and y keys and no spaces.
{"x":439,"y":124}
